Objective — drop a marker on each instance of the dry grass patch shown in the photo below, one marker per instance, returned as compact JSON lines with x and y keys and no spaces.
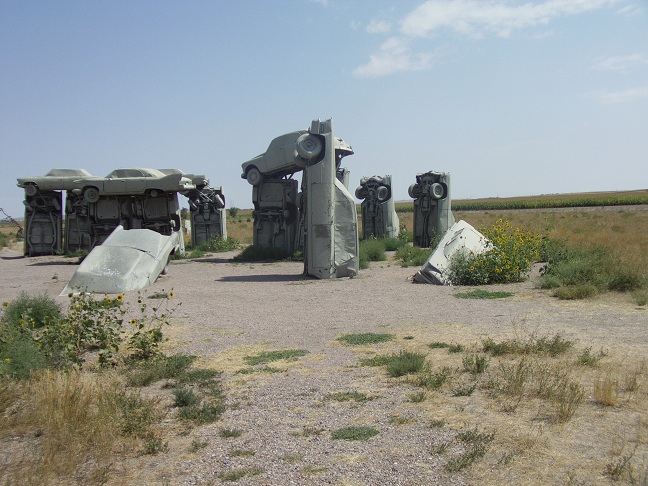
{"x":69,"y":425}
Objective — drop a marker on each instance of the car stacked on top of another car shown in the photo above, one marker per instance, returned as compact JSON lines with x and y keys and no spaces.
{"x":290,"y":153}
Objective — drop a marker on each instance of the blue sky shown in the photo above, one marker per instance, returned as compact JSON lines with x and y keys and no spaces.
{"x":510,"y":97}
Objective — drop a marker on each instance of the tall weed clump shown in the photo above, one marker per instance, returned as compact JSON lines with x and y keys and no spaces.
{"x":39,"y":336}
{"x":581,"y":272}
{"x":509,"y":259}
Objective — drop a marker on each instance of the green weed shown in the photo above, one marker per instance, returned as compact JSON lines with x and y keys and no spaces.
{"x":475,"y":363}
{"x":348,"y":397}
{"x":483,"y":294}
{"x":365,"y":338}
{"x":354,"y":433}
{"x":271,"y":356}
{"x":404,"y":363}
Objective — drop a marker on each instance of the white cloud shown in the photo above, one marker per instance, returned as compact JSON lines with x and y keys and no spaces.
{"x":617,"y":97}
{"x":394,"y":56}
{"x":473,"y":18}
{"x":621,"y":63}
{"x":477,"y":18}
{"x":378,"y":27}
{"x":630,"y":10}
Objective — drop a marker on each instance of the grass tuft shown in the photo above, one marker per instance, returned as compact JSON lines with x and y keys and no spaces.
{"x":365,"y":338}
{"x":483,"y":294}
{"x":354,"y":433}
{"x":271,"y":356}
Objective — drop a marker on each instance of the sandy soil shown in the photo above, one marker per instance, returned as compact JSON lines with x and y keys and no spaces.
{"x":230,"y":310}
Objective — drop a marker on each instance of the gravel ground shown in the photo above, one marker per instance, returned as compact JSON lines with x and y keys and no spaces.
{"x":230,"y":310}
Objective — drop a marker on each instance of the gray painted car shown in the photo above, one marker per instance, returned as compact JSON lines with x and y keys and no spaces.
{"x":134,"y":181}
{"x":290,"y":153}
{"x":54,"y":180}
{"x":128,"y":260}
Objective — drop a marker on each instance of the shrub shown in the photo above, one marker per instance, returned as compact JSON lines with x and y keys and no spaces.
{"x":393,"y":244}
{"x":404,"y":363}
{"x":475,"y":363}
{"x":216,"y":245}
{"x":412,"y":256}
{"x":258,"y":253}
{"x":44,"y":337}
{"x":582,"y":272}
{"x":373,"y":250}
{"x":509,"y":260}
{"x":40,"y":310}
{"x":233,"y":211}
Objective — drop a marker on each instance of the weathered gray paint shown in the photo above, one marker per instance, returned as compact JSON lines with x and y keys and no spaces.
{"x":331,"y":236}
{"x":207,"y":214}
{"x":432,"y":207}
{"x":460,"y":237}
{"x":276,"y":214}
{"x":43,"y":223}
{"x":127,"y":260}
{"x":379,"y":218}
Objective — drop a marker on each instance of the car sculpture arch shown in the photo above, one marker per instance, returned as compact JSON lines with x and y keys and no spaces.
{"x":321,"y":219}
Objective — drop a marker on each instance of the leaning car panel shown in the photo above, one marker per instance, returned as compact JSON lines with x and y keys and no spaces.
{"x":127,"y":260}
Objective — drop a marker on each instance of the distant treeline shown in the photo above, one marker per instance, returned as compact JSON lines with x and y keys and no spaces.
{"x":543,"y":202}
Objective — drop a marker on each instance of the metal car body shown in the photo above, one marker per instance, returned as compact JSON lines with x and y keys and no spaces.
{"x":432,"y":207}
{"x":287,"y":154}
{"x":331,"y":248}
{"x":460,"y":237}
{"x":127,"y":260}
{"x":321,"y":219}
{"x":207,"y":214}
{"x":379,"y":218}
{"x":54,"y":180}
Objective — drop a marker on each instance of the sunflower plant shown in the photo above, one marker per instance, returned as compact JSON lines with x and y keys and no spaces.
{"x":145,"y":339}
{"x":508,"y":260}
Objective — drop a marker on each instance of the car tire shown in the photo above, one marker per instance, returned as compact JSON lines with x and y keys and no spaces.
{"x":437,"y":191}
{"x":309,"y":146}
{"x":91,"y":194}
{"x":361,"y":192}
{"x":383,"y":193}
{"x":414,"y":191}
{"x":31,"y":189}
{"x":254,"y":176}
{"x":154,"y":193}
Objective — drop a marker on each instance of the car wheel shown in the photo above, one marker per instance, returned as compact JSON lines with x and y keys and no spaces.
{"x":414,"y":191}
{"x":361,"y":192}
{"x":309,"y":146}
{"x":31,"y":189}
{"x":437,"y":191}
{"x":91,"y":194}
{"x":254,"y":176}
{"x":154,"y":193}
{"x":383,"y":193}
